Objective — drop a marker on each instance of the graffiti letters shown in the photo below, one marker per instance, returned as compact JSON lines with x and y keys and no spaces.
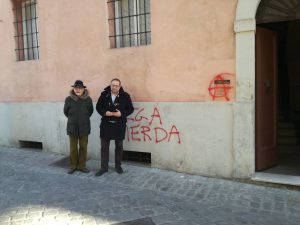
{"x":145,"y":128}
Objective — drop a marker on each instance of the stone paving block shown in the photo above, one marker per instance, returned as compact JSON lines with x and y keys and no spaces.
{"x":48,"y":218}
{"x":279,"y":206}
{"x":34,"y":215}
{"x":185,"y":222}
{"x":255,"y":205}
{"x":64,"y":217}
{"x":22,"y":211}
{"x":124,"y":216}
{"x":29,"y":222}
{"x":50,"y":212}
{"x":101,"y":221}
{"x":242,"y":203}
{"x":142,"y":221}
{"x":158,"y":210}
{"x":267,"y":206}
{"x":16,"y":223}
{"x":36,"y":209}
{"x":89,"y":222}
{"x":18,"y":217}
{"x":5,"y":223}
{"x":165,"y":218}
{"x":75,"y":222}
{"x":295,"y":220}
{"x":146,"y":212}
{"x":4,"y":219}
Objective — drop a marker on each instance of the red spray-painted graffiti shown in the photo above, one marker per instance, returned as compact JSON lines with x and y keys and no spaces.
{"x":220,"y":86}
{"x":142,"y":128}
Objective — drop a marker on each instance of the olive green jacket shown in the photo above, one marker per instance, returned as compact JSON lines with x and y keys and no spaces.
{"x":78,"y":110}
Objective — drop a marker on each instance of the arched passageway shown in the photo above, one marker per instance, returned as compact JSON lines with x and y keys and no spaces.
{"x":282,"y":18}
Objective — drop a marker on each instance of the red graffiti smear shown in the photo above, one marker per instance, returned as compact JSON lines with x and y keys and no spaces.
{"x":219,"y":87}
{"x":147,"y":131}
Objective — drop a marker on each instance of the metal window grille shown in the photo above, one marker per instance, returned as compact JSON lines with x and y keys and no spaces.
{"x":129,"y":23}
{"x":141,"y":157}
{"x":26,"y":29}
{"x":31,"y":144}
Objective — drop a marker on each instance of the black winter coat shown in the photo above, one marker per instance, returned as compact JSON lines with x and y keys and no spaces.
{"x":114,"y":128}
{"x":78,"y":110}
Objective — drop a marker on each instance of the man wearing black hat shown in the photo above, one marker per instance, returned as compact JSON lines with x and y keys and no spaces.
{"x":114,"y":105}
{"x":78,"y":108}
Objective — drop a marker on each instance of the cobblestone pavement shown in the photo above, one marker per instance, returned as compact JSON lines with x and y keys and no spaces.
{"x":32,"y":192}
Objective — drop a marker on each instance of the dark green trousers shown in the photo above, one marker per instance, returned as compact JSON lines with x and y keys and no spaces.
{"x":78,"y":158}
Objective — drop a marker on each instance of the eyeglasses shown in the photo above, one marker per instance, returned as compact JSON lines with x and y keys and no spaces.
{"x":114,"y":85}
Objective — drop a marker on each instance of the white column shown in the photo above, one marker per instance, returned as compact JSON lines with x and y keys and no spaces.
{"x":244,"y":107}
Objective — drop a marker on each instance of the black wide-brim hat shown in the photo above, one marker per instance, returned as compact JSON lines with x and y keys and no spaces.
{"x":78,"y":83}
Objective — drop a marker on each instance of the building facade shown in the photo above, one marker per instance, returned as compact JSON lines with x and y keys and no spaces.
{"x":188,"y":65}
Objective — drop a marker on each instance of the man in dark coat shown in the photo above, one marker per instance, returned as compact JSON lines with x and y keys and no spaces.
{"x":78,"y":108}
{"x":114,"y":105}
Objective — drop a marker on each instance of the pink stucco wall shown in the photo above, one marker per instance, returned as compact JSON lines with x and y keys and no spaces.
{"x":192,"y":41}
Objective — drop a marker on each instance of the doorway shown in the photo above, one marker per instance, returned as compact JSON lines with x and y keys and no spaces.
{"x":278,"y":97}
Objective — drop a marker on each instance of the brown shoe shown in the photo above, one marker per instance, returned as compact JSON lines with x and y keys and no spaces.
{"x":72,"y":170}
{"x":84,"y":170}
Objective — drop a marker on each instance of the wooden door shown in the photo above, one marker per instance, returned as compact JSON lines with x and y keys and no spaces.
{"x":266,"y":99}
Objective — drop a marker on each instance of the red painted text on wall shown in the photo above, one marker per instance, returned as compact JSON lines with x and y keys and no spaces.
{"x":143,"y":128}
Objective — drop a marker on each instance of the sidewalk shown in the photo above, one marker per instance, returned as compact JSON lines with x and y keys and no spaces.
{"x":34,"y":192}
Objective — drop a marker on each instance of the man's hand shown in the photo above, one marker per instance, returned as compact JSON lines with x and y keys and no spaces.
{"x":117,"y":114}
{"x":109,"y":113}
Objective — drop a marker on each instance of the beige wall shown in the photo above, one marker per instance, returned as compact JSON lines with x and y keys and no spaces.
{"x":191,"y":43}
